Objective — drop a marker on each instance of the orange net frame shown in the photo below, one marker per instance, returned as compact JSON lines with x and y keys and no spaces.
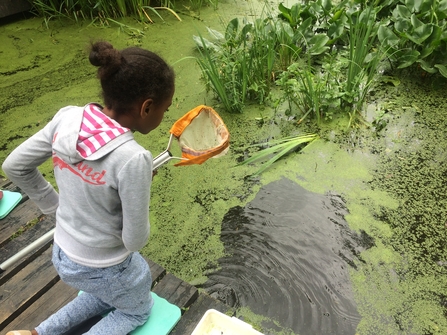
{"x":201,"y":134}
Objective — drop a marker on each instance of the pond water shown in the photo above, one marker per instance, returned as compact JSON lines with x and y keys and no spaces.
{"x":288,"y":256}
{"x":345,"y":237}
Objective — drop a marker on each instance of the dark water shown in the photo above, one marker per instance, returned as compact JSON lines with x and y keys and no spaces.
{"x":289,"y":251}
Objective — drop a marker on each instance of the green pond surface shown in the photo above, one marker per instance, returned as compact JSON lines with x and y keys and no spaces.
{"x":393,"y":180}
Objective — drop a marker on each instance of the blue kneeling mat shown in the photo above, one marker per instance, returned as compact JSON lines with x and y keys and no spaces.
{"x":164,"y":316}
{"x":8,"y":202}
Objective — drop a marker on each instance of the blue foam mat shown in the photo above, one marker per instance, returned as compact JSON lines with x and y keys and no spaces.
{"x":164,"y":316}
{"x":8,"y":202}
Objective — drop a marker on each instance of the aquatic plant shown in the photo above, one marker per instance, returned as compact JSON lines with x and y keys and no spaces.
{"x":343,"y":75}
{"x":97,"y":10}
{"x":276,"y":149}
{"x":310,"y":90}
{"x":363,"y":59}
{"x":230,"y":93}
{"x":415,"y":33}
{"x":315,"y":18}
{"x":238,"y":65}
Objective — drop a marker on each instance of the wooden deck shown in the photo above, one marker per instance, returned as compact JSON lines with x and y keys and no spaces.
{"x":30,"y":290}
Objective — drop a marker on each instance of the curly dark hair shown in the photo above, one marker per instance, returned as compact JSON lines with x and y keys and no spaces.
{"x":130,"y":76}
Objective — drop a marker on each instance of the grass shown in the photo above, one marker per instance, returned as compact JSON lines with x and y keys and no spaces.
{"x":212,"y":71}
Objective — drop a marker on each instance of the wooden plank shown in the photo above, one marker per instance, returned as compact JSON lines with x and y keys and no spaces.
{"x":176,"y":291}
{"x":28,"y":234}
{"x":195,"y":312}
{"x":56,"y":297}
{"x":59,"y":295}
{"x":26,"y":287}
{"x":4,"y":182}
{"x":19,"y":216}
{"x":15,"y":268}
{"x":157,"y":271}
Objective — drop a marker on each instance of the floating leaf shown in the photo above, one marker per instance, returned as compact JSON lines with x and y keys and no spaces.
{"x":388,"y":79}
{"x":426,"y":66}
{"x":442,"y":69}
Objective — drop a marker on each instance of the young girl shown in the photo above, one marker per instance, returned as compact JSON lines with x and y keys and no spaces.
{"x":104,"y":178}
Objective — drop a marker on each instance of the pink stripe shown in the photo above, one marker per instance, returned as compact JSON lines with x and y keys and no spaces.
{"x":89,"y":145}
{"x":103,"y":117}
{"x":81,"y":151}
{"x":95,"y":124}
{"x":100,"y":140}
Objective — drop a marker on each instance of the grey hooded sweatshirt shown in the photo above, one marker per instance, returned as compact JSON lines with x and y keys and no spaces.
{"x":103,"y":177}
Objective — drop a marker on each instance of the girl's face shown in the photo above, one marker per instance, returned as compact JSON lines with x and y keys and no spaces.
{"x":151,"y":114}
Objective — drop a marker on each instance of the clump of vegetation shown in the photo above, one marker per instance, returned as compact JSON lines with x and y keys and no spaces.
{"x":325,"y":58}
{"x":354,"y":36}
{"x":238,"y":65}
{"x":415,"y":33}
{"x":104,"y":11}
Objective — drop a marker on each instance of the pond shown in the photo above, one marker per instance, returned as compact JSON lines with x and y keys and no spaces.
{"x":345,"y":237}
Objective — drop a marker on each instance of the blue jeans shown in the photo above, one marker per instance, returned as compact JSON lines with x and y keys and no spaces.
{"x":122,"y":289}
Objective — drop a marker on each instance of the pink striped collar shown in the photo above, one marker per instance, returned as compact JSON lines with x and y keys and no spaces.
{"x":97,"y":129}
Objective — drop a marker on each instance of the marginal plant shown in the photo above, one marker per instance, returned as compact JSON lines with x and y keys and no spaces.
{"x":311,"y":91}
{"x":238,"y":65}
{"x":311,"y":20}
{"x":231,"y":93}
{"x":362,"y":59}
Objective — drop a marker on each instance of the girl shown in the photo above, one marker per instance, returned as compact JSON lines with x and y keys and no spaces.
{"x":104,"y":178}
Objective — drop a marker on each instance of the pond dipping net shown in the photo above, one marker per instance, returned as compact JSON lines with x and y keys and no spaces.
{"x":201,"y":134}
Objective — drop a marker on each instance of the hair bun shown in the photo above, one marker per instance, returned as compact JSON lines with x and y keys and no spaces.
{"x":106,"y":57}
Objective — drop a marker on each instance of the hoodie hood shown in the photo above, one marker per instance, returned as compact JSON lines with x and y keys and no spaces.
{"x":97,"y":129}
{"x":91,"y":134}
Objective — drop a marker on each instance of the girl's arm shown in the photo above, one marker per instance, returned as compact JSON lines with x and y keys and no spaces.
{"x":135,"y":181}
{"x":21,"y":168}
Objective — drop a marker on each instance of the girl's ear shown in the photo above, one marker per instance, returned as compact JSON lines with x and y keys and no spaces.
{"x":145,"y":108}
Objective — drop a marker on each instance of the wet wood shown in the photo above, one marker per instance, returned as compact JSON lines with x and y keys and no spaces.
{"x":29,"y":284}
{"x":56,"y":297}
